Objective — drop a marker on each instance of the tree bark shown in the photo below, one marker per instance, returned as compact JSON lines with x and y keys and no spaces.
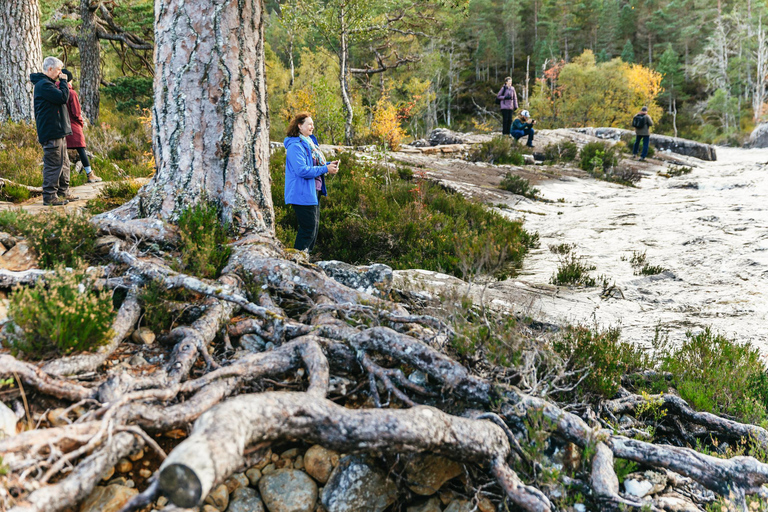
{"x":90,"y":62}
{"x":210,"y":126}
{"x":344,"y":78}
{"x":20,"y":55}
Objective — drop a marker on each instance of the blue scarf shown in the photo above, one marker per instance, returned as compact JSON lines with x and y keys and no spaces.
{"x":317,"y":155}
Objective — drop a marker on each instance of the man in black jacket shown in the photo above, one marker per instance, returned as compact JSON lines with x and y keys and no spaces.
{"x":52,"y":119}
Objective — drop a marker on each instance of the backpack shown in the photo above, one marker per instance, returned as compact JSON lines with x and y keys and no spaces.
{"x":498,"y":100}
{"x":639,"y":121}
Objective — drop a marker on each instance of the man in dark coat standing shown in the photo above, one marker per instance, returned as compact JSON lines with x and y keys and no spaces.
{"x":642,"y":123}
{"x":53,"y":126}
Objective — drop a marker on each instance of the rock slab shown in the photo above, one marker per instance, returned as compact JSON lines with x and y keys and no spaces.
{"x":660,"y":142}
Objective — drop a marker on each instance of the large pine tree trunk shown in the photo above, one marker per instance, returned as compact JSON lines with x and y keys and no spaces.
{"x":90,"y":62}
{"x":20,"y":55}
{"x":210,"y":125}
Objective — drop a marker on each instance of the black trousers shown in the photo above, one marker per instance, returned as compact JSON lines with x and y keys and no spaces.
{"x":309,"y":223}
{"x":506,"y":120}
{"x":83,"y":157}
{"x":645,"y":140}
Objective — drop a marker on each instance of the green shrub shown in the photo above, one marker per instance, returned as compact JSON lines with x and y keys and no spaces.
{"x":130,"y":93}
{"x":603,"y":353}
{"x":124,"y":151}
{"x":14,"y":193}
{"x":63,"y":314}
{"x":715,"y":374}
{"x":572,"y":270}
{"x":499,"y":150}
{"x":519,"y":185}
{"x":563,"y":151}
{"x":204,"y":249}
{"x":162,"y":307}
{"x":639,"y":262}
{"x":113,"y":195}
{"x":597,"y":157}
{"x":371,"y":214}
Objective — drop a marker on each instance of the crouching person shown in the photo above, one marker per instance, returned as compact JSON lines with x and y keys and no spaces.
{"x":522,"y":126}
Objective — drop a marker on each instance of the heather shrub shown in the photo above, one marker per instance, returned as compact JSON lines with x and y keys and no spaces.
{"x":519,"y":185}
{"x":499,"y":150}
{"x":113,"y":195}
{"x":62,"y":314}
{"x":204,"y":249}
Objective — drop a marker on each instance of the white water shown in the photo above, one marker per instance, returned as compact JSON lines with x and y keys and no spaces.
{"x":713,"y":240}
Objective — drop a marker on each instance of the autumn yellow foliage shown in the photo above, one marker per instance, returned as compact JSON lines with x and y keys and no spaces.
{"x":385,"y":126}
{"x":586,"y":93}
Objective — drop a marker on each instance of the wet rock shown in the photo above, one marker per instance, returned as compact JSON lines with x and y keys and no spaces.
{"x":107,"y":499}
{"x":143,"y":336}
{"x":442,"y":136}
{"x":375,"y":279}
{"x":426,"y":474}
{"x":356,"y":484}
{"x":642,"y":484}
{"x":19,"y":258}
{"x":245,"y":499}
{"x":218,"y":497}
{"x":236,"y":481}
{"x":319,"y":462}
{"x":8,"y":421}
{"x":254,"y":475}
{"x":431,"y":505}
{"x":288,"y":490}
{"x":253,"y":343}
{"x":459,"y":506}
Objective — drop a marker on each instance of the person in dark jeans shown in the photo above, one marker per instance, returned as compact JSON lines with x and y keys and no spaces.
{"x":53,"y":126}
{"x":305,"y":170}
{"x":523,"y":126}
{"x":76,"y":141}
{"x":507,"y":98}
{"x":642,"y":132}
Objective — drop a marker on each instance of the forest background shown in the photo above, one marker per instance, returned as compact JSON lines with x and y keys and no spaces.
{"x":392,"y":70}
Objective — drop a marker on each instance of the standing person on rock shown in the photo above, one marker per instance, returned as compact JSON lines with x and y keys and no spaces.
{"x":642,"y":123}
{"x":76,"y":141}
{"x":507,"y":100}
{"x":305,"y":169}
{"x":52,"y":120}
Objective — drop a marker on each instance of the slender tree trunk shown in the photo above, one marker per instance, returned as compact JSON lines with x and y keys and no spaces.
{"x":20,"y":55}
{"x":90,"y":62}
{"x":210,"y":125}
{"x":290,"y":58}
{"x":349,"y":114}
{"x":674,"y":115}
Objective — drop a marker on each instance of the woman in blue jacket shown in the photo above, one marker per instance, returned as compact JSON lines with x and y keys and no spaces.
{"x":305,"y":169}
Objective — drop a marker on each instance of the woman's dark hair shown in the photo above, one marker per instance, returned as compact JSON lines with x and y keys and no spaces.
{"x":293,"y":128}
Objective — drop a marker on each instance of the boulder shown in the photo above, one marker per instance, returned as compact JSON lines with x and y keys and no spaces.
{"x":426,"y":474}
{"x":107,"y":499}
{"x":245,"y":499}
{"x":419,"y":143}
{"x":19,"y":258}
{"x":288,"y":490}
{"x":374,"y":279}
{"x":759,"y":136}
{"x":357,"y":484}
{"x":319,"y":462}
{"x":442,"y":136}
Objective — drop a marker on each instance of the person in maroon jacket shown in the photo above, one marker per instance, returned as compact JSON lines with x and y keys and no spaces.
{"x":77,"y":139}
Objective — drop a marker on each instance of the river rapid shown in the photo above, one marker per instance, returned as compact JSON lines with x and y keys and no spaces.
{"x":708,"y":229}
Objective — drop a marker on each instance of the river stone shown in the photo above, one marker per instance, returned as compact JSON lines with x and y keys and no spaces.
{"x":443,"y":136}
{"x":642,"y":484}
{"x":426,"y":474}
{"x":319,"y":462}
{"x":288,"y":490}
{"x":245,"y":499}
{"x":356,"y":484}
{"x":254,"y":475}
{"x":218,"y":497}
{"x":236,"y":481}
{"x":459,"y":506}
{"x":19,"y":258}
{"x":432,"y":505}
{"x":373,"y":279}
{"x":110,"y":498}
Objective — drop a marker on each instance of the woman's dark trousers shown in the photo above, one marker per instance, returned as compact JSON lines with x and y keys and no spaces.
{"x":506,"y":120}
{"x":83,"y":157}
{"x":646,"y":139}
{"x":309,"y":222}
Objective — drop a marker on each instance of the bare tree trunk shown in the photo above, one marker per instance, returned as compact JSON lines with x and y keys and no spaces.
{"x":210,"y":126}
{"x":290,"y":58}
{"x":758,"y":98}
{"x":90,"y":62}
{"x":344,"y":78}
{"x":526,"y":91}
{"x":20,"y":55}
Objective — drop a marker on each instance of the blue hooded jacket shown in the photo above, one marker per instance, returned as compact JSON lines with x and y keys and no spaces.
{"x":300,"y":174}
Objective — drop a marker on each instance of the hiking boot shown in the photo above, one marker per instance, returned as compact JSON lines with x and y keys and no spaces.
{"x":642,"y":159}
{"x":92,"y":178}
{"x":55,"y":202}
{"x":69,"y":197}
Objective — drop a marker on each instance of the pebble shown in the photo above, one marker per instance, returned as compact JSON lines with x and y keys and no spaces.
{"x":290,"y":454}
{"x":124,"y":466}
{"x":236,"y":481}
{"x":107,"y":499}
{"x":143,"y":336}
{"x":299,"y":462}
{"x":137,"y":456}
{"x":264,"y":460}
{"x":268,"y":469}
{"x":357,"y":484}
{"x":145,"y":473}
{"x":254,"y":475}
{"x":218,"y":497}
{"x":426,"y":474}
{"x":275,"y":457}
{"x":288,"y":490}
{"x":318,"y":462}
{"x":162,"y":501}
{"x":108,"y":473}
{"x":137,"y":360}
{"x":57,"y":417}
{"x":245,"y":499}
